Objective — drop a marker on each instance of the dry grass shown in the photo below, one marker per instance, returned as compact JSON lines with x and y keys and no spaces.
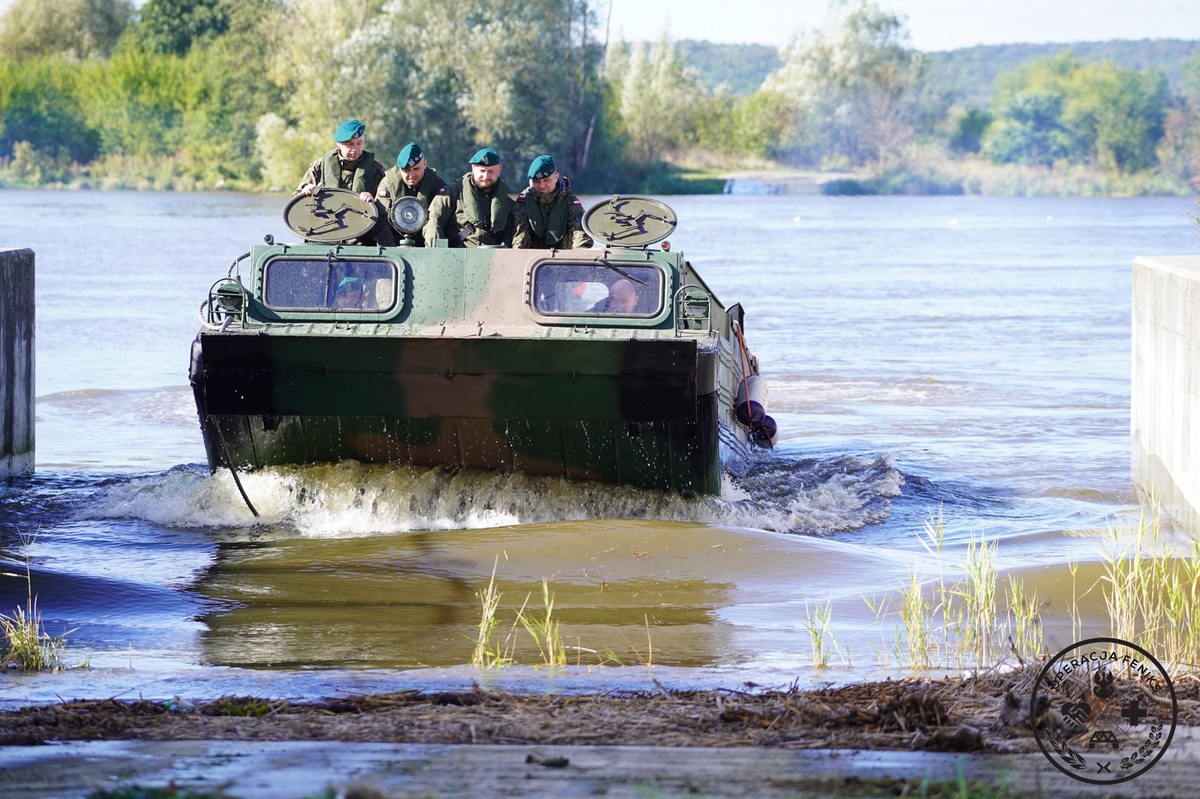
{"x":934,"y":715}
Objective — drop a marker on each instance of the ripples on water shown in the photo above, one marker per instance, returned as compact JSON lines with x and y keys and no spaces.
{"x":957,"y":356}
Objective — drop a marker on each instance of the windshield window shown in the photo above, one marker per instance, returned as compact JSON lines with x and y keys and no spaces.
{"x":322,"y":284}
{"x":592,"y":289}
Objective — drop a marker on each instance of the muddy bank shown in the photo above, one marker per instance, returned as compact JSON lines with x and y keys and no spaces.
{"x":873,"y":739}
{"x":980,"y":713}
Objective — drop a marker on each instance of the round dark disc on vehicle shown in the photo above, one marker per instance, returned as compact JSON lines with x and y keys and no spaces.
{"x":329,"y":215}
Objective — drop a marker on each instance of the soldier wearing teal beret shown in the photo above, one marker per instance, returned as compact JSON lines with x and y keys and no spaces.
{"x":350,"y":166}
{"x":486,"y":157}
{"x":548,"y":214}
{"x":411,"y":177}
{"x":477,"y":210}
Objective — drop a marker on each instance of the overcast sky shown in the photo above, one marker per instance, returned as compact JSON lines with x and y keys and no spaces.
{"x":932,"y":24}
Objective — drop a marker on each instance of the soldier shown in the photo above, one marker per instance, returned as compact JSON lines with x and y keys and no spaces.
{"x":412,"y":177}
{"x":349,"y":166}
{"x":349,"y":293}
{"x":548,"y":214}
{"x":623,"y":298}
{"x":477,"y":210}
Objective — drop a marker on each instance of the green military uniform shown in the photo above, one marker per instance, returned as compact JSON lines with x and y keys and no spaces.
{"x":393,"y":187}
{"x":467,"y":216}
{"x":363,"y":174}
{"x":550,"y":221}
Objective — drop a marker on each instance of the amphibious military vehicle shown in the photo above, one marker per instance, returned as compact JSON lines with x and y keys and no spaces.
{"x":615,"y":363}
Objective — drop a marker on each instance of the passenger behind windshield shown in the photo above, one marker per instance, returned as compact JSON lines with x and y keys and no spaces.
{"x":622,"y":298}
{"x":349,"y":294}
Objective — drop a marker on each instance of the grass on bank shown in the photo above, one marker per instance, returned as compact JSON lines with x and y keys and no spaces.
{"x":1150,"y":589}
{"x":24,"y":643}
{"x":489,"y":653}
{"x":543,"y":629}
{"x":944,"y":622}
{"x":975,"y":619}
{"x":541,"y":626}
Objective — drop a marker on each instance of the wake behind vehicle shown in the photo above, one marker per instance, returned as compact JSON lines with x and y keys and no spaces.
{"x":615,"y":364}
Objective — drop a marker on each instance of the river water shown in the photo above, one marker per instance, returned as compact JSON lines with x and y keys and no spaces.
{"x":964,"y":357}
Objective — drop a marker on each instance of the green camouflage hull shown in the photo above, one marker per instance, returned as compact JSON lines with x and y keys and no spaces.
{"x":616,"y":364}
{"x":642,"y":413}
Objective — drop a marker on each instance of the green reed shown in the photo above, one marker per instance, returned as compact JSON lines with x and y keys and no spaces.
{"x":488,"y":653}
{"x":977,"y":600}
{"x":24,"y":642}
{"x":915,"y":612}
{"x":945,"y":622}
{"x":1024,"y":612}
{"x":1151,"y":590}
{"x":817,"y":620}
{"x":540,"y":625}
{"x":543,"y":629}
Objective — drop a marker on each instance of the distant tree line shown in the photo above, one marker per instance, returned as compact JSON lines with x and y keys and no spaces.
{"x":244,"y":93}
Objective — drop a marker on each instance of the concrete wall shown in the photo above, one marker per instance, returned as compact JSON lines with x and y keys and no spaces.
{"x":16,"y":362}
{"x":1165,"y":401}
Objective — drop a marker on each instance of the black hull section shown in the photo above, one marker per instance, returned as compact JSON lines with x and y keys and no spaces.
{"x":643,"y":413}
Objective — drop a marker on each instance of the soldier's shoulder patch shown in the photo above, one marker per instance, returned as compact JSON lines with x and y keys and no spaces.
{"x":576,"y":202}
{"x":521,"y":197}
{"x":443,"y":190}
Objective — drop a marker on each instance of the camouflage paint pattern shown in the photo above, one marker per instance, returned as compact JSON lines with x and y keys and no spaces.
{"x":457,"y":358}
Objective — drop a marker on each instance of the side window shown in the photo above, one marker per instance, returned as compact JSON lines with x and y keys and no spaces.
{"x":566,"y":289}
{"x":319,"y":284}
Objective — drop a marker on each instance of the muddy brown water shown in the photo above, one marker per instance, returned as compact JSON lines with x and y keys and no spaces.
{"x":961,"y":356}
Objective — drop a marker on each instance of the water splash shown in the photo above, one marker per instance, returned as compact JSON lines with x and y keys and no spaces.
{"x":779,"y":493}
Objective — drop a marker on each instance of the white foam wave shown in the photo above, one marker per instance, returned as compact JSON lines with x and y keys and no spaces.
{"x":350,"y":499}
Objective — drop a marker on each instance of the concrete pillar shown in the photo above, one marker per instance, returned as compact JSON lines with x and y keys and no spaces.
{"x":16,"y":363}
{"x":1165,"y":391}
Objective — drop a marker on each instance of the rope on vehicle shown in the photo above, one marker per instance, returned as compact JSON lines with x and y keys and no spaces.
{"x":229,"y":461}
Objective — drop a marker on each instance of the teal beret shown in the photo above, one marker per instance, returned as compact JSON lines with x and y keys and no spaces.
{"x":485,"y":157}
{"x":410,"y":156}
{"x":349,"y":283}
{"x":541,"y":167}
{"x":350,"y":129}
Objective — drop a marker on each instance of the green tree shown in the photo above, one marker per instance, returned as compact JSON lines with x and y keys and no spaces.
{"x":1061,"y":109}
{"x":304,"y":66}
{"x":171,"y":26}
{"x":1027,"y":129}
{"x":1117,"y":114}
{"x":227,"y":90}
{"x":743,"y":126}
{"x":134,"y":101}
{"x":75,"y":29}
{"x":853,"y":90}
{"x":39,"y":105}
{"x":659,"y":97}
{"x":1179,"y":150}
{"x":518,"y":75}
{"x":968,"y":131}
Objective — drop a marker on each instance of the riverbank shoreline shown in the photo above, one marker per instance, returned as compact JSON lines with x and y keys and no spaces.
{"x":922,"y":179}
{"x":868,"y":739}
